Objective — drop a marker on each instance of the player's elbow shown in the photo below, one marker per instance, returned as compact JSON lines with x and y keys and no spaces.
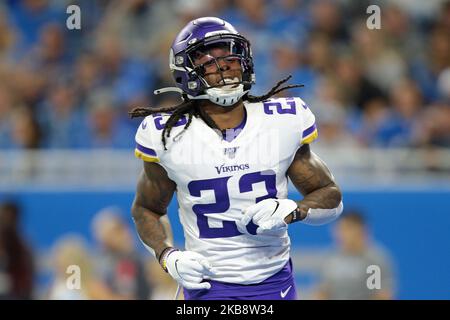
{"x":336,"y":204}
{"x":335,"y":195}
{"x":329,"y":211}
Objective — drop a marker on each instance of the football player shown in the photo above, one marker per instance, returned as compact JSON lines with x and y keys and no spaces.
{"x":228,"y":155}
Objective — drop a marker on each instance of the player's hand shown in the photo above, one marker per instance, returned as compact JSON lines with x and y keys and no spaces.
{"x":189,"y":269}
{"x":269,"y":215}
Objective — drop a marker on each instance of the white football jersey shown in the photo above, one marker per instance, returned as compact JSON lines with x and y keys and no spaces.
{"x":217,"y":179}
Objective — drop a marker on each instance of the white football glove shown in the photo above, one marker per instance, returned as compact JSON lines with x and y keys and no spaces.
{"x":189,"y":269}
{"x":268,"y":215}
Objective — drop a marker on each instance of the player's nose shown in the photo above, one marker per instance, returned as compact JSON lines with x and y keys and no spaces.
{"x":224,"y":65}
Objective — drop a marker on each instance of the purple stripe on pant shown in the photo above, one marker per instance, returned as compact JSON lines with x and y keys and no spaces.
{"x":280,"y":286}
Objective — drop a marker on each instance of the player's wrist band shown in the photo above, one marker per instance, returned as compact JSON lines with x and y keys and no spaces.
{"x":297,"y":215}
{"x":162,"y":254}
{"x":163,"y":258}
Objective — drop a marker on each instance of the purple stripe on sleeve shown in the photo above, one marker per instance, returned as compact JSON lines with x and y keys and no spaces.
{"x":145,"y":150}
{"x":308,"y":131}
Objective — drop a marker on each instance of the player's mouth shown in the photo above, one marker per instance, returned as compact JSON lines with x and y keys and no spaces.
{"x":229,"y":83}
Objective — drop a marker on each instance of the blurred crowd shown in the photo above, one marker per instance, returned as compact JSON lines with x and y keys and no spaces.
{"x":110,"y":268}
{"x":110,"y":265}
{"x":387,"y":87}
{"x":114,"y":270}
{"x":349,"y":269}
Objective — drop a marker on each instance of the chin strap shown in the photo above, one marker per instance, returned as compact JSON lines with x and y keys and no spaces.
{"x":168,"y":89}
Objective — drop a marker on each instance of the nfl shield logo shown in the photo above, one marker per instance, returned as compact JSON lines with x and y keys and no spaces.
{"x":231,"y":152}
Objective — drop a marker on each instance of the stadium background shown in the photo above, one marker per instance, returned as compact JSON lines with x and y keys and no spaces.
{"x":381,"y":98}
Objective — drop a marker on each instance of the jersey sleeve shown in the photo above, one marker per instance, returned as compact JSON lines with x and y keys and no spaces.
{"x":146,"y":149}
{"x":308,"y":123}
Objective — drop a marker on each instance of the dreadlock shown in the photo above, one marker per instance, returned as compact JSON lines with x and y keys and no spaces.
{"x":193,"y":109}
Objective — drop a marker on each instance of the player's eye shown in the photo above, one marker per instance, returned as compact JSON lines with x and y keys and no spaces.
{"x":209,"y":63}
{"x":231,"y":59}
{"x":202,"y":59}
{"x":208,"y":67}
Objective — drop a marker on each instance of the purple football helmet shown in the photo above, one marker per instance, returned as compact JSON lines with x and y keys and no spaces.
{"x":198,"y":37}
